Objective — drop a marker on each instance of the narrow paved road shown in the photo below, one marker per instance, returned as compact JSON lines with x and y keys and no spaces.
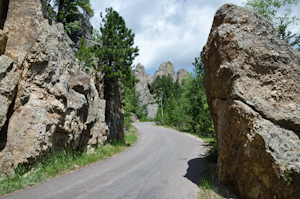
{"x":163,"y":164}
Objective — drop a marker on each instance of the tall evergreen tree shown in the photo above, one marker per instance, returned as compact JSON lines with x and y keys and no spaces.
{"x":115,"y":59}
{"x":117,"y":53}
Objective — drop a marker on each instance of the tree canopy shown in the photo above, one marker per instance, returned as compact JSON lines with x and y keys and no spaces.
{"x":69,"y":12}
{"x":281,"y":19}
{"x":68,"y":9}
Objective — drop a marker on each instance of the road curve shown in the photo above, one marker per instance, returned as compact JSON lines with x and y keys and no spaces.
{"x":164,"y":163}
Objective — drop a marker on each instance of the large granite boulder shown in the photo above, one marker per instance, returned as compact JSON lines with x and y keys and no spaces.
{"x":57,"y":105}
{"x":252,"y":82}
{"x":48,"y":101}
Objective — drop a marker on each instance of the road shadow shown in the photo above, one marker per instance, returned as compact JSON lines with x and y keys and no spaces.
{"x":193,"y":173}
{"x":198,"y":169}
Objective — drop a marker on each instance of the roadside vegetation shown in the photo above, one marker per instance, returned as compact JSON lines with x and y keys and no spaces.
{"x":62,"y":162}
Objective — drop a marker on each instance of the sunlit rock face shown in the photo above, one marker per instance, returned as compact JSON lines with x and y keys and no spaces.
{"x":48,"y":99}
{"x":143,"y":91}
{"x":252,"y":82}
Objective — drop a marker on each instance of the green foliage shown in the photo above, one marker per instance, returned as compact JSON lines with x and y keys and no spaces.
{"x":130,"y":101}
{"x":287,"y":174}
{"x":270,"y":9}
{"x":117,"y":52}
{"x":61,"y":162}
{"x":142,"y":113}
{"x":72,"y":27}
{"x":282,"y":27}
{"x":165,"y":87}
{"x":196,"y":105}
{"x":68,"y":9}
{"x":208,"y":179}
{"x":85,"y":54}
{"x":184,"y":107}
{"x":159,"y":118}
{"x":130,"y":104}
{"x":51,"y":13}
{"x":69,"y":13}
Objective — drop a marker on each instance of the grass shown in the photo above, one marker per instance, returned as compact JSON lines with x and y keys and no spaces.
{"x":207,"y":188}
{"x":62,"y":162}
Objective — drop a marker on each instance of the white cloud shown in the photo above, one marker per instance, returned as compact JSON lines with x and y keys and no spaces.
{"x":165,"y":30}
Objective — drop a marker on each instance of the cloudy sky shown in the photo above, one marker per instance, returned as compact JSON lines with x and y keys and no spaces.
{"x":166,"y":30}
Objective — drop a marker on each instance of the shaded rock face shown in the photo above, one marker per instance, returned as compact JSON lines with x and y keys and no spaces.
{"x":3,"y":12}
{"x":114,"y":113}
{"x":48,"y":101}
{"x":143,"y":86}
{"x":252,"y":82}
{"x":86,"y":30}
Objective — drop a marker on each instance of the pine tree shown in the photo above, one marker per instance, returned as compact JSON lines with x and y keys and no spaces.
{"x":115,"y":59}
{"x":117,"y":52}
{"x":85,"y":54}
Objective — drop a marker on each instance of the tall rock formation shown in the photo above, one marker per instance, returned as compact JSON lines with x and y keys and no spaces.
{"x":143,"y":86}
{"x":181,"y":73}
{"x":166,"y":68}
{"x":143,"y":92}
{"x":48,"y":100}
{"x":252,"y":82}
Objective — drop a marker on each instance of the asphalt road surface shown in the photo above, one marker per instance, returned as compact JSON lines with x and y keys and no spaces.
{"x":164,"y":163}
